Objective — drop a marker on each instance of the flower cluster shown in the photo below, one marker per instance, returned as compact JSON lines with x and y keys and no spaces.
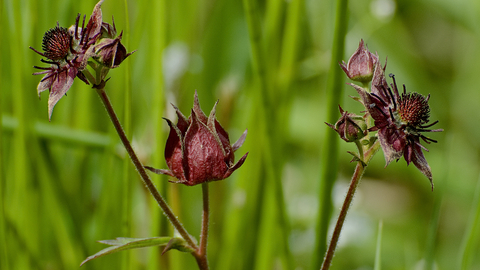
{"x":198,"y":149}
{"x":68,"y":52}
{"x":400,"y":119}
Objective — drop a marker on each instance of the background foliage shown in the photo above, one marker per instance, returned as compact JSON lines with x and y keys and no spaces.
{"x":66,"y":184}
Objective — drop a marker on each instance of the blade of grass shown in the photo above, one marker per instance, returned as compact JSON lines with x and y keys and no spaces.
{"x":470,"y":241}
{"x":159,"y":226}
{"x":3,"y":240}
{"x":267,"y":117}
{"x":61,"y":133}
{"x":21,"y":192}
{"x":4,"y":264}
{"x":329,"y":151}
{"x":432,"y":233}
{"x":56,"y":214}
{"x":127,"y":183}
{"x":378,"y":252}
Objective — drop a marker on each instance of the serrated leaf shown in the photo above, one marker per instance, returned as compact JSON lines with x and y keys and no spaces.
{"x":122,"y":243}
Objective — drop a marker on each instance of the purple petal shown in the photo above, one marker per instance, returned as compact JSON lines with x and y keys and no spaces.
{"x":45,"y":83}
{"x":222,"y":139}
{"x":379,"y":82}
{"x":63,"y":81}
{"x":183,"y":121}
{"x":175,"y":153}
{"x":196,"y":108}
{"x":376,"y":108}
{"x":421,"y":163}
{"x":392,"y":144}
{"x":241,"y":140}
{"x":236,"y":166}
{"x":95,"y":21}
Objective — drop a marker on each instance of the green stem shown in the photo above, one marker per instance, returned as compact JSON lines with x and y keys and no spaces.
{"x":468,"y":250}
{"x":201,"y":254}
{"x":357,"y":175}
{"x":360,"y":148}
{"x":265,"y":97}
{"x":141,"y":170}
{"x":378,"y":252}
{"x":329,"y":155}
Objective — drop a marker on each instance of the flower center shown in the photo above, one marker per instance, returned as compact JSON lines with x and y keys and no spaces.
{"x":413,"y":109}
{"x":56,"y":43}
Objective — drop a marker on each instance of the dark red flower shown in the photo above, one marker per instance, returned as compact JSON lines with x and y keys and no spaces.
{"x":198,"y":149}
{"x":399,"y":119}
{"x":69,"y":50}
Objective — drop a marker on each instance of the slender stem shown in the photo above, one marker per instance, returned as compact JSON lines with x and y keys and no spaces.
{"x":357,"y":175}
{"x":141,"y":170}
{"x":201,"y":254}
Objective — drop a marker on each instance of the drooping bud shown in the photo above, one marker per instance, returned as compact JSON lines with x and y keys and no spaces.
{"x":350,"y":127}
{"x":361,"y":64}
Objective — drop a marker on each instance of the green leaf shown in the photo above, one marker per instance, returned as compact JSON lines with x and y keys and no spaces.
{"x":356,"y":157}
{"x":122,"y":243}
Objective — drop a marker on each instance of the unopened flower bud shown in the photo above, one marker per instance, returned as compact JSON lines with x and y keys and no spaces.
{"x":111,"y":52}
{"x":361,"y":64}
{"x":350,"y":127}
{"x":198,"y":149}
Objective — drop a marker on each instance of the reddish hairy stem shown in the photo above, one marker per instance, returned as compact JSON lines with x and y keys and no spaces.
{"x":201,"y":253}
{"x":141,"y":170}
{"x":357,"y":175}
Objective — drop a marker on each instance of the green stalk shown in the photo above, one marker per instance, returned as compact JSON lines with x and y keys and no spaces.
{"x":266,"y":111}
{"x":329,"y":154}
{"x":21,"y":191}
{"x":3,"y":233}
{"x":470,"y":241}
{"x":3,"y":238}
{"x":158,"y":21}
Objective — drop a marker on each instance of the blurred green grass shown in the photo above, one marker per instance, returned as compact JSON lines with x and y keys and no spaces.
{"x":61,"y":182}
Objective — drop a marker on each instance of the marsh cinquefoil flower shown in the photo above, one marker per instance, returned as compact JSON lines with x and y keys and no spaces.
{"x":68,"y":52}
{"x":400,"y":120}
{"x":198,"y":149}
